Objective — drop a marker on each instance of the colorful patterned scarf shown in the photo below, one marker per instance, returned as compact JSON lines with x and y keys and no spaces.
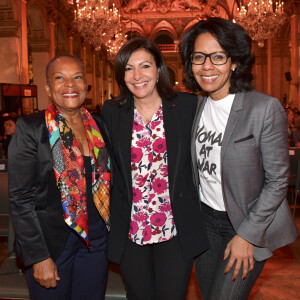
{"x":68,"y":165}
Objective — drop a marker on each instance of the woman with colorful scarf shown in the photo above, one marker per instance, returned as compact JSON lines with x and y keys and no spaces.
{"x":59,"y":184}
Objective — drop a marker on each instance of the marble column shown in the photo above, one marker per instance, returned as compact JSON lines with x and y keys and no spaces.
{"x":24,"y":43}
{"x":105,"y":81}
{"x":83,"y":56}
{"x":179,"y":68}
{"x":101,"y":83}
{"x":52,"y":40}
{"x":94,"y":80}
{"x":269,"y":66}
{"x":294,"y":84}
{"x":116,"y":90}
{"x":39,"y":63}
{"x":71,"y":45}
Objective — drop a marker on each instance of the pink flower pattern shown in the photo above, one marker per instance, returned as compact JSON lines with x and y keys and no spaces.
{"x":152,"y":218}
{"x":137,"y":195}
{"x":133,"y":227}
{"x":143,"y":142}
{"x":147,"y":233}
{"x":165,"y":207}
{"x":158,"y":219}
{"x":140,"y":217}
{"x":160,"y":145}
{"x":136,"y":154}
{"x":159,"y":185}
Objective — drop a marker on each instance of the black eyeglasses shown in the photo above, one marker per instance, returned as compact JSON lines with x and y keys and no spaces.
{"x":216,"y":58}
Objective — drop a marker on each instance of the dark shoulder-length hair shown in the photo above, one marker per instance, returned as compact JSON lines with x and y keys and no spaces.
{"x":163,"y":84}
{"x":235,"y":41}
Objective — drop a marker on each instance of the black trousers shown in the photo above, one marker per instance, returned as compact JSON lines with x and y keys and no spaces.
{"x":155,"y":272}
{"x":82,"y":270}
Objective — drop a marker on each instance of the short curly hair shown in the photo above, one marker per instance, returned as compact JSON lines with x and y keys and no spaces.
{"x":235,"y":41}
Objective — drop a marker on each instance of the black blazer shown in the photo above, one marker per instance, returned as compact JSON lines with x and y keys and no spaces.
{"x":178,"y":118}
{"x":41,"y":231}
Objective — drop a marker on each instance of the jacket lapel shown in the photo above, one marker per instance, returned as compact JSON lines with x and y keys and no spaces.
{"x":173,"y":140}
{"x":234,"y":116}
{"x":124,"y":125}
{"x":201,"y":104}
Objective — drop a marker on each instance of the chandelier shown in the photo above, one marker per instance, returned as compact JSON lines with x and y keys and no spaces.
{"x":96,"y":21}
{"x":115,"y":43}
{"x":261,"y":19}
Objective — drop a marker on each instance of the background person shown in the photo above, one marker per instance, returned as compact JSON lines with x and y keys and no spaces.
{"x":9,"y":124}
{"x":296,"y":130}
{"x":59,"y":182}
{"x":156,"y":226}
{"x":240,"y":159}
{"x":290,"y":125}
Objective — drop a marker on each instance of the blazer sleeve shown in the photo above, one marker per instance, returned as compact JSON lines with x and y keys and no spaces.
{"x":22,"y":174}
{"x":275,"y":164}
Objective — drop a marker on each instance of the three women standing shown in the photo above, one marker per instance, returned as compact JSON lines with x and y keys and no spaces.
{"x":156,"y":226}
{"x":240,"y":160}
{"x":240,"y":165}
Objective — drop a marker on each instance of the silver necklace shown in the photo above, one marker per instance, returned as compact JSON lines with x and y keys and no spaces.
{"x":152,"y":113}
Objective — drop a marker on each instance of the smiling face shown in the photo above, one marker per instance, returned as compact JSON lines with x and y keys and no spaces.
{"x":141,"y":74}
{"x":66,"y":84}
{"x":214,"y":79}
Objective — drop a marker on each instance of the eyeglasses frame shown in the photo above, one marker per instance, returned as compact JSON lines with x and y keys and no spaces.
{"x":209,"y":55}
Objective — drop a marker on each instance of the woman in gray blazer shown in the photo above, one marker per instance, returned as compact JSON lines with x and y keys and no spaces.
{"x":240,"y":160}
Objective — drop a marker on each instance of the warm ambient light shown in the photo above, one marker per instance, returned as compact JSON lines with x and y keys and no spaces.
{"x":261,"y":19}
{"x":97,"y":21}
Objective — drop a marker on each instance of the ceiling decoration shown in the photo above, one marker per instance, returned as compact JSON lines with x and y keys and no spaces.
{"x":179,"y":14}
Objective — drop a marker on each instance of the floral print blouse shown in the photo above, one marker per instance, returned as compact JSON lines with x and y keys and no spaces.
{"x":151,"y":214}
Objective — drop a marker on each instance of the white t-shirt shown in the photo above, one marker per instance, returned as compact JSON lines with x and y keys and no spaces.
{"x":210,"y":134}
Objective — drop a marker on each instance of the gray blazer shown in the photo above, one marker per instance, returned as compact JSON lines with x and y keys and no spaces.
{"x":254,"y":171}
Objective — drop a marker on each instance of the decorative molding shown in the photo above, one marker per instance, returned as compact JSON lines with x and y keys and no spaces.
{"x":6,"y":15}
{"x":9,"y":29}
{"x":163,"y":7}
{"x":40,"y":45}
{"x":178,"y":13}
{"x":5,"y":4}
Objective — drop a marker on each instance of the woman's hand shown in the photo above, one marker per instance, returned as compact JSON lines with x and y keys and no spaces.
{"x":45,"y":273}
{"x":240,"y":251}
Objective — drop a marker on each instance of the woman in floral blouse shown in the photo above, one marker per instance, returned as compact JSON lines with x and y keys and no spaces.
{"x":156,"y":226}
